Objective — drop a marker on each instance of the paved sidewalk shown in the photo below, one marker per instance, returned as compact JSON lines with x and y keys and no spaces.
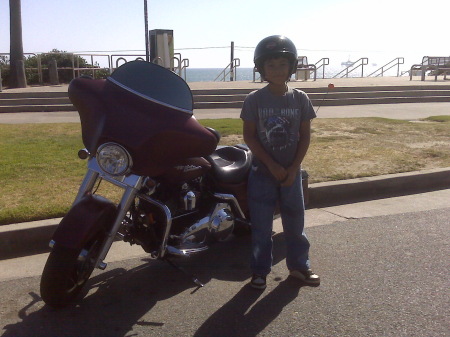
{"x":403,"y":111}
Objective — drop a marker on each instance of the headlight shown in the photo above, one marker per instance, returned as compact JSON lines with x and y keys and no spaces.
{"x":114,"y":159}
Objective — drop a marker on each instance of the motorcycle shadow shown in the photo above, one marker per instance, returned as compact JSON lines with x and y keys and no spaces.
{"x":114,"y":301}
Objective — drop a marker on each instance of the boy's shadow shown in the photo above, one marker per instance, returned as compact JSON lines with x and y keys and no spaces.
{"x":117,"y":300}
{"x":242,"y":317}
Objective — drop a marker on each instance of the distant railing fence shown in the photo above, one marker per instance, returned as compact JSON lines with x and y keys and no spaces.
{"x":395,"y":62}
{"x":303,"y":60}
{"x":92,"y":65}
{"x":37,"y":69}
{"x":120,"y":59}
{"x":363,"y":61}
{"x":321,"y":64}
{"x":230,"y":70}
{"x":95,"y":63}
{"x":180,"y":67}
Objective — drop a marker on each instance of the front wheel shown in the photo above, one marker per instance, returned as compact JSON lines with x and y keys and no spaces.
{"x":66,"y":272}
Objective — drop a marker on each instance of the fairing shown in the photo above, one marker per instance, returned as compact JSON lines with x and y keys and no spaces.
{"x":145,"y":108}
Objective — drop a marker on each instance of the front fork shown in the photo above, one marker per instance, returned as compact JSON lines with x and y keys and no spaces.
{"x":131,"y":184}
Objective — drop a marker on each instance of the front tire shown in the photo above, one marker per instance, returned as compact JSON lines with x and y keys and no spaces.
{"x":67,"y":271}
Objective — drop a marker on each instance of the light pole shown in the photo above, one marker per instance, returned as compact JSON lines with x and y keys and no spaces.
{"x":147,"y":51}
{"x":232,"y":62}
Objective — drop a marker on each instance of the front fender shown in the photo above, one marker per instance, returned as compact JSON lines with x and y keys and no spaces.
{"x":84,"y":220}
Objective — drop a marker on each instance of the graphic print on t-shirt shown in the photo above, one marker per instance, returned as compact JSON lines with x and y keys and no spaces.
{"x":276,"y":128}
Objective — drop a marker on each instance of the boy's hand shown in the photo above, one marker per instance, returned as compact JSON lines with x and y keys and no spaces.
{"x":291,"y":175}
{"x":278,"y":171}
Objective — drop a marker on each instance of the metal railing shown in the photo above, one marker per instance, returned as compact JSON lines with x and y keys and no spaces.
{"x":94,"y":67}
{"x":363,"y":61}
{"x":180,"y":68}
{"x":75,"y":67}
{"x":303,"y":60}
{"x":405,"y":72}
{"x":38,"y":69}
{"x":112,"y":60}
{"x":124,"y":58}
{"x":230,"y":70}
{"x":321,"y":64}
{"x":395,"y":62}
{"x":254,"y":75}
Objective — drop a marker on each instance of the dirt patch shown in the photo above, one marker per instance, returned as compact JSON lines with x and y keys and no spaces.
{"x":231,"y":140}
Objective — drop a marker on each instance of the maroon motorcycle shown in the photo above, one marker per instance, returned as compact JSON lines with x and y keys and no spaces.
{"x":179,"y":192}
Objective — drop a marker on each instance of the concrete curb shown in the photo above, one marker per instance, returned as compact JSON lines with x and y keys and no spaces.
{"x":361,"y":189}
{"x":26,"y":238}
{"x":32,"y":237}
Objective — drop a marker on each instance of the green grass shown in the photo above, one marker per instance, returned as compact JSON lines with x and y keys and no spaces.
{"x":40,"y":172}
{"x":442,"y":119}
{"x":226,"y":126}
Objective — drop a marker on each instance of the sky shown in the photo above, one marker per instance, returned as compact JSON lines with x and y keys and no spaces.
{"x":204,"y":29}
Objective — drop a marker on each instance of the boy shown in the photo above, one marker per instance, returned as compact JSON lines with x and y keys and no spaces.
{"x":277,"y":126}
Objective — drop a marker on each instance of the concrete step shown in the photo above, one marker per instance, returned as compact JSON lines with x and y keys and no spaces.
{"x":376,"y":88}
{"x":379,"y":100}
{"x":219,"y":98}
{"x":37,"y":108}
{"x":331,"y":95}
{"x":329,"y":101}
{"x":34,"y":101}
{"x":234,"y":98}
{"x":375,"y":94}
{"x":38,"y":94}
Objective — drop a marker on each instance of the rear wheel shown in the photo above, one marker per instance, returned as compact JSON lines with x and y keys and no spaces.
{"x":66,"y":272}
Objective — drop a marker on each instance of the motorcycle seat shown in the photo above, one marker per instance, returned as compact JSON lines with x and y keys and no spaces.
{"x":231,"y":164}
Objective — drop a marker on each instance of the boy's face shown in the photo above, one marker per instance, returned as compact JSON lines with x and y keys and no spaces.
{"x":277,"y":70}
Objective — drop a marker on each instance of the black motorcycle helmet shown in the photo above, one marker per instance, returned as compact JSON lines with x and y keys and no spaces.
{"x":274,"y":46}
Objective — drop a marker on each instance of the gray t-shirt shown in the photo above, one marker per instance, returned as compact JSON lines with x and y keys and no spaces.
{"x":278,"y":121}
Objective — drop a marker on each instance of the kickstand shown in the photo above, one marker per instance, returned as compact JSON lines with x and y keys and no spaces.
{"x":192,"y":277}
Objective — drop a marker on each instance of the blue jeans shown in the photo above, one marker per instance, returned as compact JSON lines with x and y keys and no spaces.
{"x":263,"y":194}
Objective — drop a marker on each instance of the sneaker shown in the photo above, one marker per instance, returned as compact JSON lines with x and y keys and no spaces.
{"x":258,"y":282}
{"x":306,"y":276}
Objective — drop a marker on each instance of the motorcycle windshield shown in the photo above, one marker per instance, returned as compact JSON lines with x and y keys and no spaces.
{"x":155,"y":83}
{"x":147,"y":109}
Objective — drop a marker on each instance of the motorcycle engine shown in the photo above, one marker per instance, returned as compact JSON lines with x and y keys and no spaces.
{"x":189,"y":200}
{"x":217,"y":226}
{"x":222,"y":222}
